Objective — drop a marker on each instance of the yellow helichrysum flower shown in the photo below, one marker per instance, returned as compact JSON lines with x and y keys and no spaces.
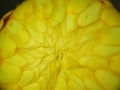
{"x":60,"y":45}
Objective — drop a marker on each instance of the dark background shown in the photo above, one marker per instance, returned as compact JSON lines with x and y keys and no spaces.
{"x":7,"y":5}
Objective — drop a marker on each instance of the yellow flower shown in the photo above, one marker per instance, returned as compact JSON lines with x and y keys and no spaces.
{"x":60,"y":45}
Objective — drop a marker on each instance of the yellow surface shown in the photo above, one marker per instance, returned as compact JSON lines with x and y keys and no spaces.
{"x":60,"y":45}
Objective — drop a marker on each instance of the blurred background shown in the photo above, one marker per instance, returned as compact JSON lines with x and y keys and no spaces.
{"x":7,"y":5}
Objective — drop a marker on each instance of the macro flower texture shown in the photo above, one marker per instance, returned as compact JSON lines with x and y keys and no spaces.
{"x":60,"y":45}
